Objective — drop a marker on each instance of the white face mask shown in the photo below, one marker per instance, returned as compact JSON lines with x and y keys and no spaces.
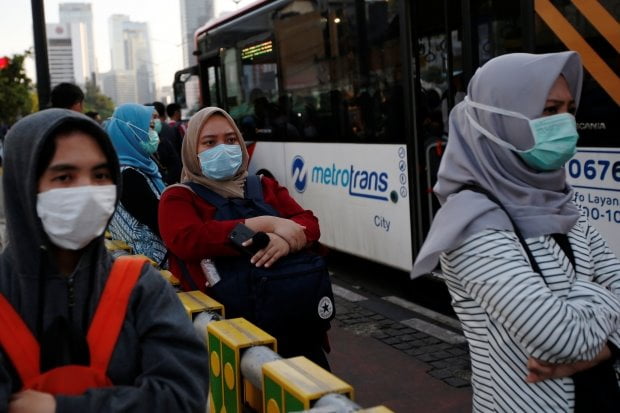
{"x":73,"y":217}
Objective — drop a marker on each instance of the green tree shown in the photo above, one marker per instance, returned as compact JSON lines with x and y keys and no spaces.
{"x":15,"y":90}
{"x":96,"y":101}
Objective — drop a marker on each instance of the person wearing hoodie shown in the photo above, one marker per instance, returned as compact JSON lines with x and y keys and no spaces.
{"x":62,"y":184}
{"x":132,"y":130}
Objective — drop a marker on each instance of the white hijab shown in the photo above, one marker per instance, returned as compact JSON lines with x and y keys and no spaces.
{"x":539,"y":202}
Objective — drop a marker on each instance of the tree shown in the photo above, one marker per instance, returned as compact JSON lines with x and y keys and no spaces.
{"x":96,"y":101}
{"x":15,"y":90}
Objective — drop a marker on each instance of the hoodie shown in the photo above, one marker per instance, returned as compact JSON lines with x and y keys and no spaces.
{"x":159,"y":364}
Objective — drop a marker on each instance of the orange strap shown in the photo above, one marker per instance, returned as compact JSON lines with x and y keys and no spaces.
{"x":110,"y":315}
{"x":18,"y":342}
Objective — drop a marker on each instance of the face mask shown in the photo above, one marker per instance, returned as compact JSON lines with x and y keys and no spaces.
{"x":157,"y":126}
{"x":221,"y":162}
{"x":73,"y":217}
{"x":555,"y":137}
{"x":151,"y":145}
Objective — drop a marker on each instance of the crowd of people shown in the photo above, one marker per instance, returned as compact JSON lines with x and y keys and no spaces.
{"x":535,"y":286}
{"x":99,"y":333}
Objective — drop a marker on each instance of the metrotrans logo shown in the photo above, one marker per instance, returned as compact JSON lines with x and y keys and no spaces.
{"x":358,"y":182}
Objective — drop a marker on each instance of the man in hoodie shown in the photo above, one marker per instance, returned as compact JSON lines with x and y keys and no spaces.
{"x":61,"y":182}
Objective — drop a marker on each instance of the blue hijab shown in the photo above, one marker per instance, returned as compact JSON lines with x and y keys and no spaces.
{"x":128,"y":128}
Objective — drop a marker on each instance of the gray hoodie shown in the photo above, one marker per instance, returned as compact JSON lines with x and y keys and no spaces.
{"x":159,"y":364}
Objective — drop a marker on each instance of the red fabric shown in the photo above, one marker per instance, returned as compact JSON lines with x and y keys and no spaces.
{"x":108,"y":319}
{"x":69,"y":380}
{"x":24,"y":351}
{"x":189,"y":231}
{"x":18,"y":342}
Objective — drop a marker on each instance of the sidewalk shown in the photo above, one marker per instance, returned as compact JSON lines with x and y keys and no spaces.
{"x":388,"y":362}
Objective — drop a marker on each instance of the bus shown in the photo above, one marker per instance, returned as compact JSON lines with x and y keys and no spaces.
{"x":345,"y":102}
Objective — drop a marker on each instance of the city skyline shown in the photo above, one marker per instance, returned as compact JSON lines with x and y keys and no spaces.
{"x":163,"y":17}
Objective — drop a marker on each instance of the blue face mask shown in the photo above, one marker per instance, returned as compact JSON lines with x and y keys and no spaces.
{"x":157,"y":125}
{"x":221,"y":162}
{"x":151,"y":145}
{"x":555,"y":137}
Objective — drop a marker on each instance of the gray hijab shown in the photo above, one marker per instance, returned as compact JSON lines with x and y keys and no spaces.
{"x":539,"y":202}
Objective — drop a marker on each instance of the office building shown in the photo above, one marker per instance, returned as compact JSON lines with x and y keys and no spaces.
{"x":67,"y":45}
{"x":131,"y":52}
{"x":81,"y":13}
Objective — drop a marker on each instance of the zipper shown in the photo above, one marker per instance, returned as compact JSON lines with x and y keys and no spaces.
{"x":71,"y":295}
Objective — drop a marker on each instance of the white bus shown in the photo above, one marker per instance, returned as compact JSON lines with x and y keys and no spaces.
{"x":346,"y":101}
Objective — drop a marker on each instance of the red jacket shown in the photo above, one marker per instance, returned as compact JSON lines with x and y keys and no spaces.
{"x":190,"y":233}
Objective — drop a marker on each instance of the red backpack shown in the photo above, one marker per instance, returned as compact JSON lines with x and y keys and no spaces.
{"x":23,"y":349}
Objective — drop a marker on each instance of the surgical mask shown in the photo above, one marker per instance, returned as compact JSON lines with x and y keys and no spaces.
{"x":555,"y":137}
{"x":151,"y":145}
{"x":221,"y":162}
{"x":73,"y":217}
{"x":157,"y":126}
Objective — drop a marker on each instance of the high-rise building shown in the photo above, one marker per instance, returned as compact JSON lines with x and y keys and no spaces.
{"x":194,"y":13}
{"x":81,"y":13}
{"x":131,"y":51}
{"x":121,"y":86}
{"x":67,"y":45}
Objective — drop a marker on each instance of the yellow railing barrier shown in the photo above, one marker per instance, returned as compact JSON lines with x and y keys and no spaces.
{"x":246,"y":371}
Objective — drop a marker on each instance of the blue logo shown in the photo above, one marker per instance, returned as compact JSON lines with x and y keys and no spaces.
{"x":299,"y":174}
{"x":358,"y":182}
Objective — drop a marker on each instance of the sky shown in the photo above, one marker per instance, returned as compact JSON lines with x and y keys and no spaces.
{"x":163,"y":17}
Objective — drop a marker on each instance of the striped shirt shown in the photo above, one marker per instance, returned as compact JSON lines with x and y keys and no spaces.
{"x":509,"y":312}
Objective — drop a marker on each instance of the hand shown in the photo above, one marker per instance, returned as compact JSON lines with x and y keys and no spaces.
{"x":292,"y":232}
{"x":277,"y":248}
{"x":542,"y":370}
{"x":29,"y":401}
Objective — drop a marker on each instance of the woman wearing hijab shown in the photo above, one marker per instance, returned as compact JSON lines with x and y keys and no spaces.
{"x":60,"y":352}
{"x":132,"y":130}
{"x":541,"y":315}
{"x":214,"y":156}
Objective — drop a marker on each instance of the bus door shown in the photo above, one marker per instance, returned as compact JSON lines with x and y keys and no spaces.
{"x":438,"y":85}
{"x":452,"y":39}
{"x":210,"y":85}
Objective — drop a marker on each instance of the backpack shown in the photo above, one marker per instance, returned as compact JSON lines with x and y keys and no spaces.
{"x":294,"y":293}
{"x":24,"y":352}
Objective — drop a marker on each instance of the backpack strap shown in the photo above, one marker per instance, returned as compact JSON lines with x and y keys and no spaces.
{"x":208,"y":195}
{"x":112,"y":309}
{"x":18,"y":342}
{"x":254,"y":188}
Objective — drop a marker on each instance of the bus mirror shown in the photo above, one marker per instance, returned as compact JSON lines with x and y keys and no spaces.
{"x":178,"y":86}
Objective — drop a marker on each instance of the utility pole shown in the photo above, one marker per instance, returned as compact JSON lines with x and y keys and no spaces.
{"x":40,"y":53}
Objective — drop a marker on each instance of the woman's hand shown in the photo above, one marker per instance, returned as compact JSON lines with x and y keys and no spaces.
{"x":288,"y":229}
{"x":32,"y":401}
{"x":542,"y":370}
{"x":278,"y":247}
{"x":292,"y":232}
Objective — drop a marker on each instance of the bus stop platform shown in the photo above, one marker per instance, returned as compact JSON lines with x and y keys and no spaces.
{"x":390,"y":359}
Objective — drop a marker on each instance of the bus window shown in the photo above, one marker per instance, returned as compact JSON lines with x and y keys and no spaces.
{"x":598,"y":114}
{"x":340,"y":71}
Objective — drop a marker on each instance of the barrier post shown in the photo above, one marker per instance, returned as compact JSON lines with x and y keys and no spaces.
{"x":294,"y":384}
{"x":196,"y":302}
{"x":226,"y":340}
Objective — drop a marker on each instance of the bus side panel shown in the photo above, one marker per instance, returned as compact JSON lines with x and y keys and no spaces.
{"x":594,"y":174}
{"x":359,"y":192}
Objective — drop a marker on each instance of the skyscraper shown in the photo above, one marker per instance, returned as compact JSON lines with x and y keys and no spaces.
{"x":67,"y":45}
{"x":81,"y":13}
{"x":194,"y":13}
{"x":131,"y":52}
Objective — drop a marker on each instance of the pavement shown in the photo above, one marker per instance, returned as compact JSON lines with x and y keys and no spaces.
{"x":399,"y":355}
